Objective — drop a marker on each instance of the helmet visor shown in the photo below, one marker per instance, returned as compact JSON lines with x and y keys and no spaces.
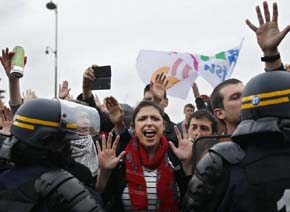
{"x":80,"y":119}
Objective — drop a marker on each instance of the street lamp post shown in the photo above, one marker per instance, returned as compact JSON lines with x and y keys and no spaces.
{"x":52,"y":6}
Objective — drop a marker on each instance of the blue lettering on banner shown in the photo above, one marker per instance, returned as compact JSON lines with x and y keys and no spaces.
{"x":209,"y":68}
{"x":233,"y":55}
{"x":219,"y":70}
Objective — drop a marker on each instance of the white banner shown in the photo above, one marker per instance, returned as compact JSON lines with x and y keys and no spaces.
{"x":182,"y":69}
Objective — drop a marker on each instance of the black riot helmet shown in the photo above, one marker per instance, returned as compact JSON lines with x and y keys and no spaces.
{"x":265,"y":105}
{"x":47,"y":124}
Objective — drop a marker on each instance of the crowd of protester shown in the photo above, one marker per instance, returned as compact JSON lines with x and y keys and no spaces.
{"x":134,"y":158}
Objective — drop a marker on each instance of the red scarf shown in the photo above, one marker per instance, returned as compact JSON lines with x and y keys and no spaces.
{"x":166,"y":187}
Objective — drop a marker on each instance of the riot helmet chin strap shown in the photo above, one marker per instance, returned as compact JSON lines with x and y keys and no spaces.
{"x":7,"y":146}
{"x":284,"y":125}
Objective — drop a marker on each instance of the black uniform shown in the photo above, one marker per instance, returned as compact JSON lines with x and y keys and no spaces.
{"x":252,"y":173}
{"x":44,"y":187}
{"x":41,"y":175}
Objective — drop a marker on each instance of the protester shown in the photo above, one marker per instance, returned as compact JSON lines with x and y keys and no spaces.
{"x":155,"y":91}
{"x":226,"y":103}
{"x":226,"y":97}
{"x":204,"y":102}
{"x":84,"y":149}
{"x":201,"y":123}
{"x":202,"y":127}
{"x":125,"y":184}
{"x":187,"y":110}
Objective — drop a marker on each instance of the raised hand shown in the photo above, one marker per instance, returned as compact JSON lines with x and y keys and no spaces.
{"x":107,"y":153}
{"x":63,"y":90}
{"x":88,"y":76}
{"x":100,"y":105}
{"x":6,"y":118}
{"x":116,"y":112}
{"x":268,"y":34}
{"x":107,"y":160}
{"x":14,"y":86}
{"x":6,"y":61}
{"x":184,"y":150}
{"x":29,"y":95}
{"x":158,"y":87}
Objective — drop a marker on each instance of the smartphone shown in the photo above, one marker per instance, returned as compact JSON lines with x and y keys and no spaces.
{"x":103,"y":78}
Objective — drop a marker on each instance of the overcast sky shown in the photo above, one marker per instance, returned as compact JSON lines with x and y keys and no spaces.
{"x":111,"y":32}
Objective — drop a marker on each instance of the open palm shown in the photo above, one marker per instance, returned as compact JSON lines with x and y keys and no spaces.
{"x":107,"y":153}
{"x":184,"y":150}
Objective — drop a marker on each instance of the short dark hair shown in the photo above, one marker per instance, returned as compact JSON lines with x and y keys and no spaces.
{"x":217,"y":100}
{"x":147,"y":88}
{"x":189,"y":105}
{"x":146,"y":103}
{"x":205,"y":114}
{"x":128,"y":113}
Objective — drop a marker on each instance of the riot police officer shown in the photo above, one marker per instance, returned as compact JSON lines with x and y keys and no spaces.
{"x":251,"y":173}
{"x":42,"y":175}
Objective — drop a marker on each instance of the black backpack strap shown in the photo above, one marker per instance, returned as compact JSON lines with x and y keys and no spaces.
{"x":62,"y":191}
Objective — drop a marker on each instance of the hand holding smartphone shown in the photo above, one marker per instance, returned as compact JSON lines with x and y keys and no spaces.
{"x":103,"y":78}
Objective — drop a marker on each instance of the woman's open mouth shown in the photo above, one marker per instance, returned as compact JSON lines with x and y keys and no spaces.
{"x":149,"y":133}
